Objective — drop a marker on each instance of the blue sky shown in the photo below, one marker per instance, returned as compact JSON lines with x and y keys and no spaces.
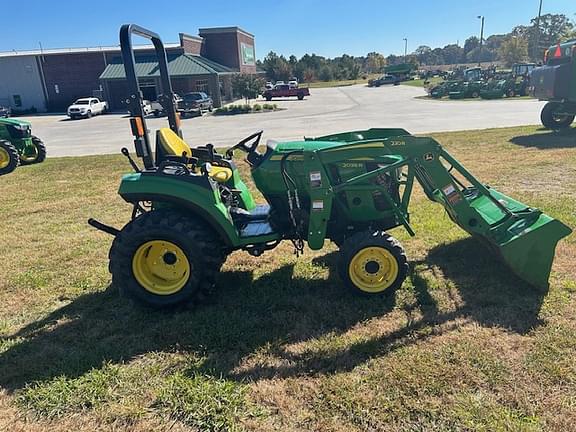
{"x":327,"y":28}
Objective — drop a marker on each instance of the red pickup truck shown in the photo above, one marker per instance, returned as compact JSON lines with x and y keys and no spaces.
{"x":284,"y":90}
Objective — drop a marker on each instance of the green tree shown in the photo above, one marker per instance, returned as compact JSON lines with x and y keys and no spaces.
{"x":374,"y":62}
{"x":326,"y":73}
{"x":469,"y":45}
{"x":513,"y":50}
{"x":277,"y":67}
{"x":424,"y":54}
{"x":247,"y":85}
{"x":452,"y":54}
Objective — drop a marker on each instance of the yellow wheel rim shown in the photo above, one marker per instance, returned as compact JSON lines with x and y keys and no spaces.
{"x":373,"y":269}
{"x":4,"y":158}
{"x":30,"y":157}
{"x":161,"y":267}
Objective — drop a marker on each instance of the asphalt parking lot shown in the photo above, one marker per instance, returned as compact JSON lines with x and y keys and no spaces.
{"x":327,"y":110}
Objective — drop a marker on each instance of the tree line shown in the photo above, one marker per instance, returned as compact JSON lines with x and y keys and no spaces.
{"x":523,"y":43}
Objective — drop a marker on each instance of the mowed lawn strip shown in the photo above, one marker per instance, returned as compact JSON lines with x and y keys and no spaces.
{"x":464,"y":345}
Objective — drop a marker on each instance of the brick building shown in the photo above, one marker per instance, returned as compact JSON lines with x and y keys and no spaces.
{"x":50,"y":80}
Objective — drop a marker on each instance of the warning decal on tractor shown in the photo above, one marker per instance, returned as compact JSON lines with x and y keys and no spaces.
{"x":452,"y":195}
{"x":318,"y":205}
{"x":315,"y":179}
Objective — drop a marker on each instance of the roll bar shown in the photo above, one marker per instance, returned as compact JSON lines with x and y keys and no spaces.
{"x":134,"y":100}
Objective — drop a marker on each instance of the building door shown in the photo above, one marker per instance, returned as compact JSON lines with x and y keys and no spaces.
{"x":148,"y":88}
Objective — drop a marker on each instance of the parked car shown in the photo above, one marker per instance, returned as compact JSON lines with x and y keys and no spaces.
{"x":5,"y":112}
{"x":86,"y":107}
{"x":158,"y":109}
{"x":383,"y":80}
{"x":293,"y":83}
{"x":195,"y":102}
{"x":284,"y":90}
{"x":269,"y":85}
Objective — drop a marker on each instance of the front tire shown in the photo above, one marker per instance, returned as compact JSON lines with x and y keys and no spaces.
{"x":165,"y":258}
{"x":373,"y":263}
{"x":552,"y":120}
{"x":39,"y":154}
{"x":9,"y":158}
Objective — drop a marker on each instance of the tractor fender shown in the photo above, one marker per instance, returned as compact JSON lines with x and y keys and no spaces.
{"x":193,"y":199}
{"x":188,"y":208}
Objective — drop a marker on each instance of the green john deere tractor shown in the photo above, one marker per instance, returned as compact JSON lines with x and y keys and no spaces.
{"x":556,"y":82}
{"x":463,"y":83}
{"x":18,"y":146}
{"x":191,"y":207}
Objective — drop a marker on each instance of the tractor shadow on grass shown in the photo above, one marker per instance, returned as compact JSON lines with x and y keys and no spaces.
{"x":249,"y":318}
{"x":546,"y":141}
{"x":243,"y":317}
{"x":486,"y":291}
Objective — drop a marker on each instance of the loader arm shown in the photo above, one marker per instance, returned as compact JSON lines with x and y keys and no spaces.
{"x":522,"y":236}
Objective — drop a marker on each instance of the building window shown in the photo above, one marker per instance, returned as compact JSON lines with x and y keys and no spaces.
{"x":202,"y":86}
{"x":17,"y":100}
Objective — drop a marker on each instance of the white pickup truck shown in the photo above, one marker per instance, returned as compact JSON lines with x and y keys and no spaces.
{"x":86,"y":107}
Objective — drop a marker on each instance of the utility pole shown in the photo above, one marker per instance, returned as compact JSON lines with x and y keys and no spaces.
{"x":536,"y":53}
{"x":405,"y":49}
{"x":481,"y":18}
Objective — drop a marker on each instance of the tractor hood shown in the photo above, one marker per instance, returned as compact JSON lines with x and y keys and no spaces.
{"x":15,"y":122}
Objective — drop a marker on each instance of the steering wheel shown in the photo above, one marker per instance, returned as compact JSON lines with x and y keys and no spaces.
{"x":248,"y":144}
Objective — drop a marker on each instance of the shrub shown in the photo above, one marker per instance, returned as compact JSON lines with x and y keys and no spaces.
{"x":257,"y":108}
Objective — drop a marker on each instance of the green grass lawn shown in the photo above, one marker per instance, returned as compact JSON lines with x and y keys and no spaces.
{"x":420,"y":82}
{"x":282,"y":346}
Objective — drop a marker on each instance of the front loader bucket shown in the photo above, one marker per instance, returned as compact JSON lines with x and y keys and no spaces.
{"x":530,"y":253}
{"x":526,"y":241}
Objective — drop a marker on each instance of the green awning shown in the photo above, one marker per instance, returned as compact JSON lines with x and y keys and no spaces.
{"x":178,"y":66}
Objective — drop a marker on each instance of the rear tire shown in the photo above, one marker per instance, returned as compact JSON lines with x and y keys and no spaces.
{"x":553,"y":121}
{"x":373,"y":263}
{"x":40,"y":152}
{"x":165,"y":258}
{"x":9,"y":158}
{"x":475,"y":95}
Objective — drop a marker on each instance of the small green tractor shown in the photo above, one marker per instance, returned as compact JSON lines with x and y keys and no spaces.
{"x":556,"y":82}
{"x":18,"y":146}
{"x":508,"y":84}
{"x":464,"y":83}
{"x":191,"y":207}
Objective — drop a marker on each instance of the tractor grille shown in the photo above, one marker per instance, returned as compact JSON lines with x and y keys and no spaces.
{"x":19,"y":133}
